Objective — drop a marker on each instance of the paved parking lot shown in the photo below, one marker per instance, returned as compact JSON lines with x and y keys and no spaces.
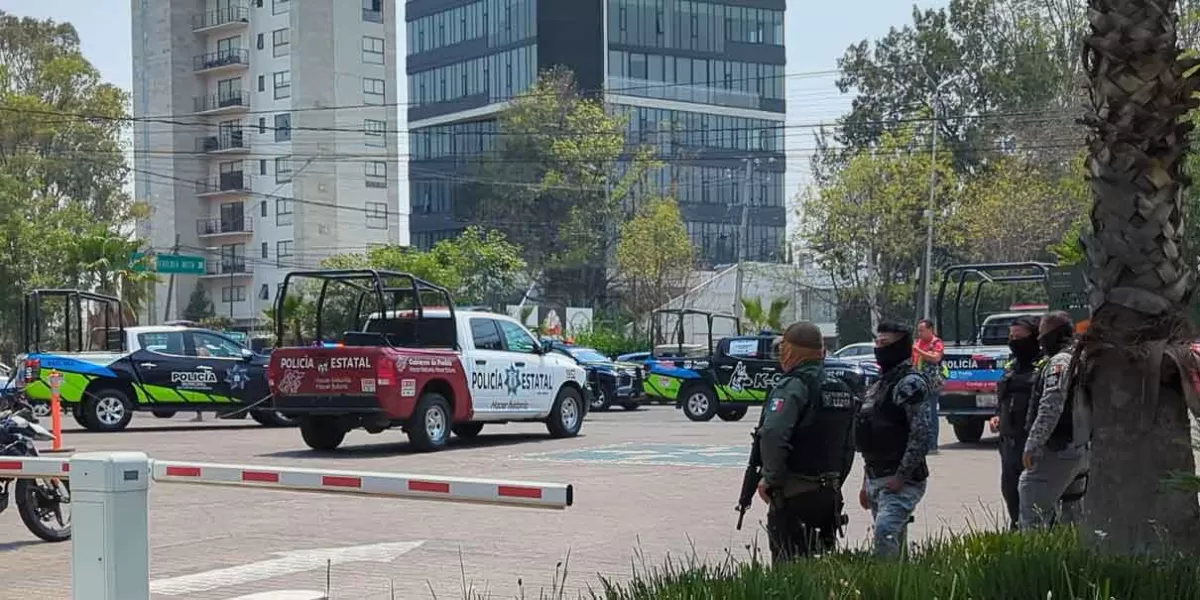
{"x":648,"y":483}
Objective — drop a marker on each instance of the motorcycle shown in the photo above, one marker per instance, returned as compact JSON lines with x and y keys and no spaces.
{"x":42,"y":503}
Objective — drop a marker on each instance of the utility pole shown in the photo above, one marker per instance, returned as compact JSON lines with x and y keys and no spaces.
{"x":743,"y":246}
{"x":927,"y":269}
{"x":171,"y":283}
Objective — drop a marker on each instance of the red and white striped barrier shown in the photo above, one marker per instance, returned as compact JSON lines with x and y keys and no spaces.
{"x":28,"y":467}
{"x":419,"y":487}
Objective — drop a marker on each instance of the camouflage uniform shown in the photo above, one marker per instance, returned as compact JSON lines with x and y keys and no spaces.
{"x":1058,"y":477}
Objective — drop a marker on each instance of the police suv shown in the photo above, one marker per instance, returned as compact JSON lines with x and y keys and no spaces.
{"x":159,"y":369}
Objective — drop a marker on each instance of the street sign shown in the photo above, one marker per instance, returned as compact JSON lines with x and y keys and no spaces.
{"x":1067,"y":290}
{"x":179,"y":264}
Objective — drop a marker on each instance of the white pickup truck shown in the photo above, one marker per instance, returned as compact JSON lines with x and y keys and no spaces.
{"x":430,"y":374}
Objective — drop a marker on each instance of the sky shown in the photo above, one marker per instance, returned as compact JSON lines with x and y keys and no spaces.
{"x":816,"y":34}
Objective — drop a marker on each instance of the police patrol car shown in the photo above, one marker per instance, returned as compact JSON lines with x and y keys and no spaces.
{"x":160,"y":369}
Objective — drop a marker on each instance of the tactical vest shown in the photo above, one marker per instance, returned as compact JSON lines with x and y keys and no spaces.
{"x":1063,"y":433}
{"x":1013,"y":394}
{"x":820,"y":439}
{"x":881,"y":428}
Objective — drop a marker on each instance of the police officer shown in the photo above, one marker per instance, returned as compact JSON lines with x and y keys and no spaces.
{"x":805,"y":439}
{"x":1013,"y":393}
{"x":1055,"y":464}
{"x":892,"y":433}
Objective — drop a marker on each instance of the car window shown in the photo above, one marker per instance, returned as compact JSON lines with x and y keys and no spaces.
{"x":516,"y":339}
{"x":485,"y":335}
{"x":163,"y":342}
{"x":211,"y":345}
{"x":743,"y":348}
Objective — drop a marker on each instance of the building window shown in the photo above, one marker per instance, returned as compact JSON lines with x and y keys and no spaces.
{"x":262,"y":83}
{"x":265,"y":247}
{"x":283,"y":84}
{"x":372,"y":48}
{"x":373,"y":90}
{"x":234,"y":293}
{"x":375,"y":133}
{"x":278,"y":7}
{"x":262,"y":166}
{"x":283,"y":169}
{"x":283,"y":127}
{"x":262,"y":208}
{"x":376,"y":172}
{"x":372,"y":11}
{"x":283,"y":250}
{"x":283,"y":211}
{"x":259,"y":43}
{"x":281,"y":42}
{"x":264,"y":292}
{"x":377,"y":217}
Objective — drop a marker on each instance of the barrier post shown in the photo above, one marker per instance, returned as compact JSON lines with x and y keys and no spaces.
{"x":110,"y":526}
{"x":56,"y":380}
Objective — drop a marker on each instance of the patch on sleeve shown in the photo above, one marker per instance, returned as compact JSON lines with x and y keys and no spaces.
{"x":912,"y":389}
{"x":775,"y":405}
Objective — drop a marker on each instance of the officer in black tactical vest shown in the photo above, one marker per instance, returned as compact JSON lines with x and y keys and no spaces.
{"x":805,"y":439}
{"x":892,"y":433}
{"x":1013,"y":395}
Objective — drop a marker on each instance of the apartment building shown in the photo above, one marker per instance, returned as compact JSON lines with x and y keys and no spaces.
{"x":702,"y":80}
{"x":265,"y":139}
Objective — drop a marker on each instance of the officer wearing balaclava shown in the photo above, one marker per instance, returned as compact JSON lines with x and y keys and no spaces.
{"x":1055,"y":463}
{"x":1013,"y":393}
{"x":892,"y":433}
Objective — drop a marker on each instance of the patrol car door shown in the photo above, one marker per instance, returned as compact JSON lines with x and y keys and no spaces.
{"x":160,"y":361}
{"x":223,"y":371}
{"x":530,"y":385}
{"x":486,"y":366}
{"x":745,"y":370}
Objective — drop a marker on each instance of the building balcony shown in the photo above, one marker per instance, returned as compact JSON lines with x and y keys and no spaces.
{"x":228,"y":142}
{"x":233,"y":59}
{"x":220,"y":104}
{"x":232,"y":17}
{"x":227,"y":267}
{"x":225,"y":184}
{"x":224,"y":226}
{"x":697,"y":94}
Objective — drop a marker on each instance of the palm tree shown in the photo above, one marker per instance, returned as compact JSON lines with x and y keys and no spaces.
{"x":103,"y":262}
{"x":1139,"y":286}
{"x":759,"y":318}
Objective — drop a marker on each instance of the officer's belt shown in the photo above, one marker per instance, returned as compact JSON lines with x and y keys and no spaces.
{"x":803,"y":484}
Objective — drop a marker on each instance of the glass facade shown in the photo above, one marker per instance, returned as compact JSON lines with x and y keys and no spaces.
{"x":500,"y":21}
{"x":498,"y":76}
{"x":687,"y":25}
{"x":699,"y":80}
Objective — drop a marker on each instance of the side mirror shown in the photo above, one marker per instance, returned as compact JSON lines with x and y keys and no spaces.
{"x":247,"y":354}
{"x":546,"y":347}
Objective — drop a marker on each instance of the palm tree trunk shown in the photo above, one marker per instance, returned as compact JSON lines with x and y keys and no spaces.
{"x":1133,"y":356}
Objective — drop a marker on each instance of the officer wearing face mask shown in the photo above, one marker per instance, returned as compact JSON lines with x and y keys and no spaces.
{"x":892,"y":433}
{"x":1013,"y":394}
{"x":1055,"y":464}
{"x":806,"y":444}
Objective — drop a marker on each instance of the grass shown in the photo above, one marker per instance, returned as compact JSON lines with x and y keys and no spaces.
{"x":977,"y":566}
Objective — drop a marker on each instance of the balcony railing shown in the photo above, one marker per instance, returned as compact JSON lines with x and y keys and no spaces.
{"x":372,"y":16}
{"x":228,"y":100}
{"x":227,"y":266}
{"x":224,"y":225}
{"x":227,"y":140}
{"x":221,"y":16}
{"x":235,"y":181}
{"x":221,"y":58}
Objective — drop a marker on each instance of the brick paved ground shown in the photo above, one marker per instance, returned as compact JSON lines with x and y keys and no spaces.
{"x":637,"y":496}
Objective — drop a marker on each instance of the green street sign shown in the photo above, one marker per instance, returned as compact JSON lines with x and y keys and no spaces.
{"x":1067,"y":289}
{"x":178,"y":264}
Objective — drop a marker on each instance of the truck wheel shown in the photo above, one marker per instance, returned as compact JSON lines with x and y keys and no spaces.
{"x":699,"y":402}
{"x":162,"y":414}
{"x":733,"y":413}
{"x":322,"y":432}
{"x":601,"y":401}
{"x":566,"y":416}
{"x":107,"y":409}
{"x":429,"y":427}
{"x":969,"y":432}
{"x":468,"y":431}
{"x":631,"y":405}
{"x":271,"y":418}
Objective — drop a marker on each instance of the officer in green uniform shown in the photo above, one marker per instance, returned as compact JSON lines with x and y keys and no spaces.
{"x":806,"y":442}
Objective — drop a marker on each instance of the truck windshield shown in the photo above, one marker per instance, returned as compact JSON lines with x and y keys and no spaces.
{"x":587,"y":355}
{"x":995,"y":330}
{"x":435,"y":331}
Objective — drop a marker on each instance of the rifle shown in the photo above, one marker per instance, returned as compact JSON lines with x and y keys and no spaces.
{"x":750,"y":480}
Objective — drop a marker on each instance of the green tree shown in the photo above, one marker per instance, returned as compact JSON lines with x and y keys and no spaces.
{"x":867,"y":225}
{"x":557,"y":184}
{"x":654,"y":256}
{"x":199,"y":306}
{"x":62,"y":177}
{"x":1135,"y":357}
{"x":102,"y":261}
{"x":759,"y":318}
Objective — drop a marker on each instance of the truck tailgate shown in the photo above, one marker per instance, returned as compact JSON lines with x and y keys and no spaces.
{"x":971,"y":376}
{"x":320,"y":371}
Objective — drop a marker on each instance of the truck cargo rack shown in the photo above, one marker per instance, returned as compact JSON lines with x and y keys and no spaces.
{"x":1015,"y":272}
